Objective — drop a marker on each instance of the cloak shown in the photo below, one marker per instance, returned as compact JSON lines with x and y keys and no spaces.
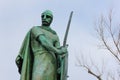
{"x":25,"y":59}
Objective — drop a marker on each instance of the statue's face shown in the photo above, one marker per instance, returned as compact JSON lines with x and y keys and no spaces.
{"x":46,"y":18}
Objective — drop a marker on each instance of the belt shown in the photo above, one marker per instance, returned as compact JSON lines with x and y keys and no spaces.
{"x":39,"y":52}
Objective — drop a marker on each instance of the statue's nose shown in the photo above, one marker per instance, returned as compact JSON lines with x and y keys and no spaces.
{"x":44,"y":17}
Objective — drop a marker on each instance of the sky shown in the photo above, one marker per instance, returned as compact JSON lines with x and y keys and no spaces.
{"x":18,"y":16}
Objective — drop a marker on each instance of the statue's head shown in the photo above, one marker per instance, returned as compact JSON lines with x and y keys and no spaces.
{"x":47,"y":18}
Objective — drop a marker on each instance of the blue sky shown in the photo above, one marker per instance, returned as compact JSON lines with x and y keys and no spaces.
{"x":18,"y":16}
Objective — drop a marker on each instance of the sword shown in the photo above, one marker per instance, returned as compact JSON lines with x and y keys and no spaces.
{"x":67,"y":29}
{"x":64,"y":59}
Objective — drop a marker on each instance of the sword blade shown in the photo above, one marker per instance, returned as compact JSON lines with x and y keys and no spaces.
{"x":67,"y":29}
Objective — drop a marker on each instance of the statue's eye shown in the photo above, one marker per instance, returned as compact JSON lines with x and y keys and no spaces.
{"x":47,"y":16}
{"x":42,"y":16}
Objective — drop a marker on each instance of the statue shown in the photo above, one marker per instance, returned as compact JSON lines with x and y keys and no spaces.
{"x":39,"y":56}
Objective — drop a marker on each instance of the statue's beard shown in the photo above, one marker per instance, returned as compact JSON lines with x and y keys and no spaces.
{"x":45,"y":23}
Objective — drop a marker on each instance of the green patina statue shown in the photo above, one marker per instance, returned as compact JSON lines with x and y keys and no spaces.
{"x":39,"y":56}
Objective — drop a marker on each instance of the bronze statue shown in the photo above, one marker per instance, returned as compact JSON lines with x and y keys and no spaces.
{"x":39,"y":57}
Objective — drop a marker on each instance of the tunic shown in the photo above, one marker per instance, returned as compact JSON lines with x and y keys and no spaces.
{"x":45,"y":62}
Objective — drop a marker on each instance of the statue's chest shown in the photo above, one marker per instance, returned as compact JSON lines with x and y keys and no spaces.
{"x":50,"y":36}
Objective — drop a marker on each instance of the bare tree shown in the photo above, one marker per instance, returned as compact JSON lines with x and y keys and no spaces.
{"x":109,"y":35}
{"x":90,"y":66}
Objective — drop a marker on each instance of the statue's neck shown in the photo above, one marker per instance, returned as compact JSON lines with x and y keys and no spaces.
{"x":48,"y":29}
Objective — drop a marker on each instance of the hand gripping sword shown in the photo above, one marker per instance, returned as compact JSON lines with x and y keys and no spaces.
{"x":64,"y":61}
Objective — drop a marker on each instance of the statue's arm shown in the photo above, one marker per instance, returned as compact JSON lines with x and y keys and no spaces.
{"x":57,"y":43}
{"x":46,"y":43}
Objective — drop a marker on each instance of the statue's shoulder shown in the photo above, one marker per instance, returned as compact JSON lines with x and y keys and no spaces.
{"x":53,"y":31}
{"x":35,"y":28}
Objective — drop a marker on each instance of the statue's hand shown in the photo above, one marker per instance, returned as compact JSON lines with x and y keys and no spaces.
{"x":63,"y":50}
{"x":19,"y":62}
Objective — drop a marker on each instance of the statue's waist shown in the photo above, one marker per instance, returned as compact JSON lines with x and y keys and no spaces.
{"x":39,"y":52}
